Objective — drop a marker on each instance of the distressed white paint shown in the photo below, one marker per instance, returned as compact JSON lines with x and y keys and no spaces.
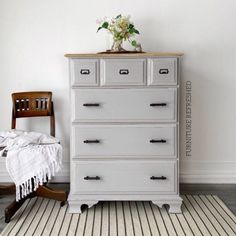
{"x":124,"y":140}
{"x":124,"y":105}
{"x":132,"y":160}
{"x":123,"y":72}
{"x":123,"y":177}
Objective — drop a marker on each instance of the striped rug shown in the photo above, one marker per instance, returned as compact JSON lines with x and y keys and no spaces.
{"x":202,"y":215}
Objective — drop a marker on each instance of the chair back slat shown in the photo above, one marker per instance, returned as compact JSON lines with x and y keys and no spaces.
{"x":29,"y":104}
{"x":33,"y":104}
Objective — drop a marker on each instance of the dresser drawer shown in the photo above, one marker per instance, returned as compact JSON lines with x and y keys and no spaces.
{"x":123,"y":72}
{"x":124,"y":140}
{"x":128,"y":176}
{"x":162,"y":71}
{"x":124,"y":105}
{"x":84,"y":72}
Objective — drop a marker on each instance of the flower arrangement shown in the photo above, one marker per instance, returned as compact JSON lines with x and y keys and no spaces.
{"x":121,"y":29}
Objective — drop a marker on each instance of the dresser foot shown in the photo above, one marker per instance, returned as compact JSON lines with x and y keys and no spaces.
{"x":175,"y":208}
{"x":174,"y":205}
{"x":80,"y":206}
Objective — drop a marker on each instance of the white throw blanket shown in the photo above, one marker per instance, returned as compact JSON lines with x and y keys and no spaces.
{"x":31,"y":158}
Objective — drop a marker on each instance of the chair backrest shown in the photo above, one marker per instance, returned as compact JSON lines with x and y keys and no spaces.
{"x":33,"y":104}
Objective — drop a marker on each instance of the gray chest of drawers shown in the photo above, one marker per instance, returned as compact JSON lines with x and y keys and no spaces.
{"x":124,"y":129}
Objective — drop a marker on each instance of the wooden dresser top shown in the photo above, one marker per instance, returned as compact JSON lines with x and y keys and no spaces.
{"x":105,"y":55}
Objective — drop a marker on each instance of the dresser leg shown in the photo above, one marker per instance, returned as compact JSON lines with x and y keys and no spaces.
{"x":174,"y":207}
{"x":80,"y":206}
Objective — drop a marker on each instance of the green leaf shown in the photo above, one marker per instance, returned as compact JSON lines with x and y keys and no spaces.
{"x":105,"y":25}
{"x":131,"y":26}
{"x":99,"y":28}
{"x":132,"y":30}
{"x":134,"y":43}
{"x":119,"y":16}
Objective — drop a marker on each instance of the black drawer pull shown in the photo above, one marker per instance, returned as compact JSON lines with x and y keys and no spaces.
{"x":84,"y":71}
{"x":91,"y":104}
{"x":164,"y":71}
{"x":162,"y":104}
{"x":92,"y":178}
{"x":92,"y":141}
{"x":158,"y":178}
{"x":124,"y":72}
{"x":157,"y":141}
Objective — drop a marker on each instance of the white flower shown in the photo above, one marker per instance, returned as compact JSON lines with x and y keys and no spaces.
{"x":120,"y":27}
{"x":99,"y":21}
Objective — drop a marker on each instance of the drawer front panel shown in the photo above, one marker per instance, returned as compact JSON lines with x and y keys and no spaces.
{"x":162,"y":71}
{"x":136,"y":176}
{"x":124,"y":104}
{"x":123,"y":72}
{"x":84,"y":72}
{"x":124,"y":140}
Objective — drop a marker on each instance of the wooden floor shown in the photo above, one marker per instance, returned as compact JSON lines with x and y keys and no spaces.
{"x":226,"y":192}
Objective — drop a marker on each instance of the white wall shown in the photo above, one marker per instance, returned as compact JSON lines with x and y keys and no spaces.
{"x":34,"y":36}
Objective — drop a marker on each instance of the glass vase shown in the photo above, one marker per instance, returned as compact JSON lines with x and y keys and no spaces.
{"x":117,"y":46}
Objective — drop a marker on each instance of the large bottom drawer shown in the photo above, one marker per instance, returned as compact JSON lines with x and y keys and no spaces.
{"x":123,"y":176}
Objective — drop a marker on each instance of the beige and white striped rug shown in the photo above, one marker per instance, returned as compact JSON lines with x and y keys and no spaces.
{"x":202,"y":215}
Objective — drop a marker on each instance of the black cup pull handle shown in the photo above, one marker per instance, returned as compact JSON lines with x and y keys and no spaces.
{"x":84,"y":71}
{"x":92,"y":178}
{"x":164,"y":71}
{"x":161,"y":104}
{"x":91,"y":141}
{"x":157,"y":141}
{"x":124,"y":72}
{"x":91,"y":104}
{"x":158,"y":178}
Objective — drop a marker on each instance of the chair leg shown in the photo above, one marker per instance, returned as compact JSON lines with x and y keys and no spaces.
{"x":7,"y":189}
{"x":12,"y":209}
{"x":42,"y":191}
{"x":46,"y":192}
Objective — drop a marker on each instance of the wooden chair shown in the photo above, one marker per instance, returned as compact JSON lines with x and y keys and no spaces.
{"x":32,"y":104}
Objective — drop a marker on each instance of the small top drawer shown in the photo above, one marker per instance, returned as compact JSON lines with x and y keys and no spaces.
{"x":123,"y":72}
{"x":162,"y":71}
{"x":84,"y":72}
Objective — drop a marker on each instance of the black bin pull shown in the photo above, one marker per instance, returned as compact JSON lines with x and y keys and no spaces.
{"x":164,"y":71}
{"x":84,"y":71}
{"x":91,"y":141}
{"x":91,"y":104}
{"x":160,"y":104}
{"x":158,"y":178}
{"x":123,"y":71}
{"x":157,"y":141}
{"x":92,"y":178}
